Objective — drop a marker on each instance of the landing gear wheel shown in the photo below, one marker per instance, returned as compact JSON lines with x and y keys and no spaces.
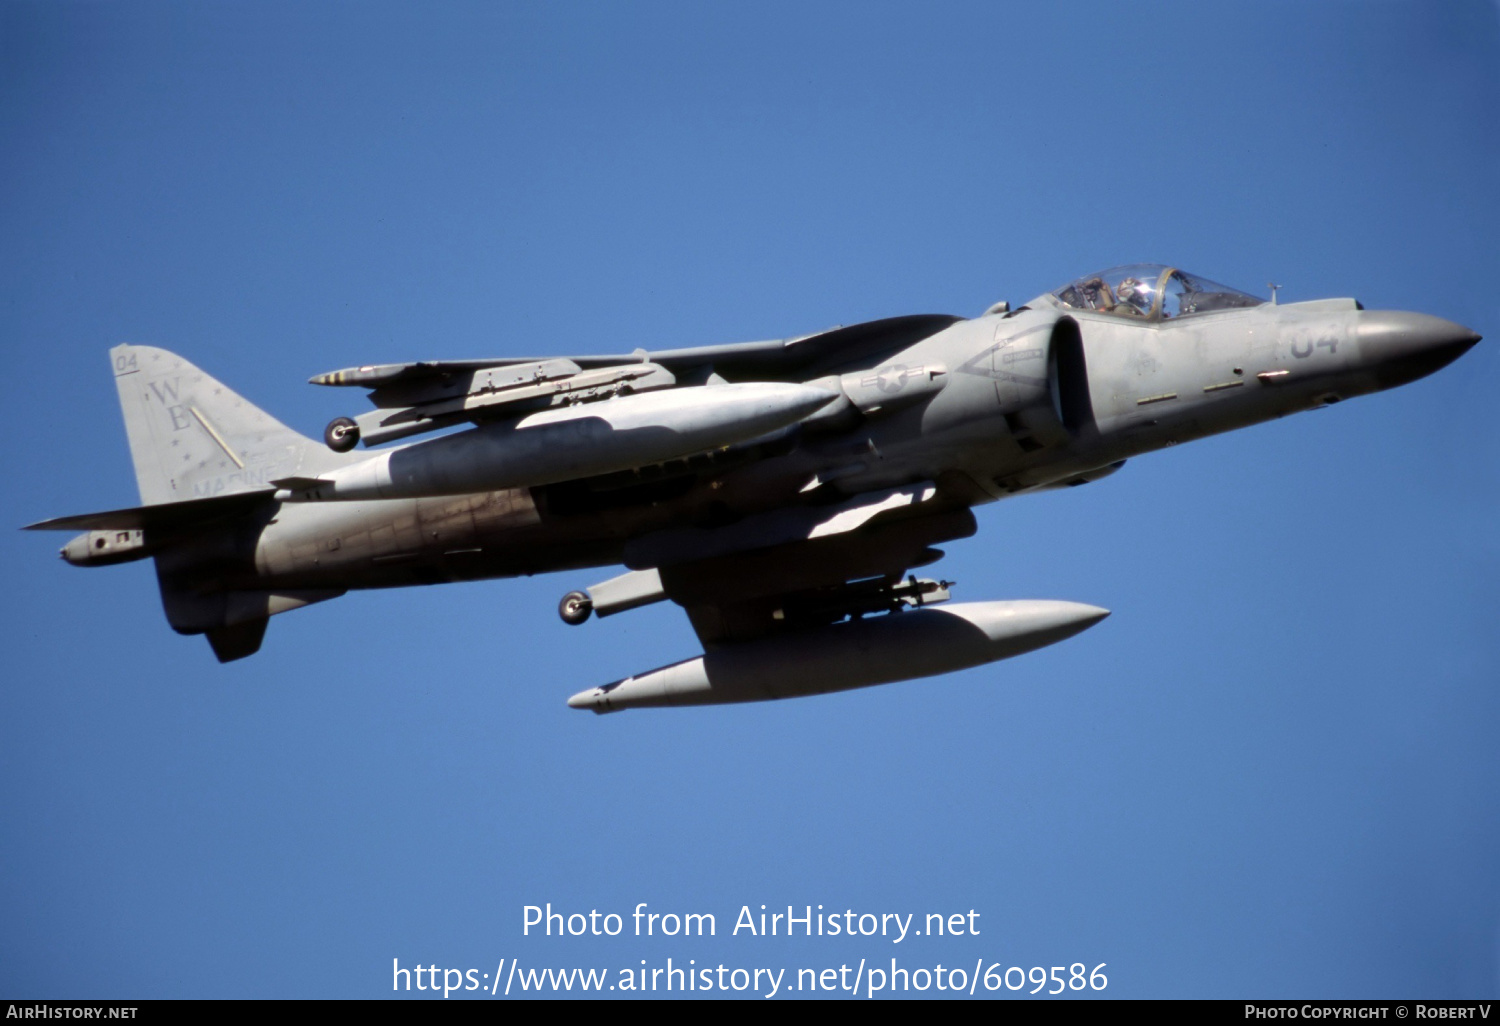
{"x":575,"y":607}
{"x":341,"y":434}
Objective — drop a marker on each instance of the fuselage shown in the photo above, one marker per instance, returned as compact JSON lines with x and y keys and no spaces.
{"x":1051,"y":394}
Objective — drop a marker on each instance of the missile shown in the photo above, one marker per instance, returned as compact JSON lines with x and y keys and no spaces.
{"x":853,"y":654}
{"x":569,"y":442}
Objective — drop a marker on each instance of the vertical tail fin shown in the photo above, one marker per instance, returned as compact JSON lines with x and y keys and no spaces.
{"x":193,"y":438}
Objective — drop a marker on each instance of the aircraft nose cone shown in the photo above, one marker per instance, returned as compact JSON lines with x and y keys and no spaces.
{"x":1403,"y":347}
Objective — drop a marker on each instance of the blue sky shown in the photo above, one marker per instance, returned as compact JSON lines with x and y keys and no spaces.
{"x":1272,"y":772}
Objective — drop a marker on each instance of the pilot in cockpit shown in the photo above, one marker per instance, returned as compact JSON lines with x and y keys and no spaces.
{"x":1134,"y":297}
{"x":1094,"y":295}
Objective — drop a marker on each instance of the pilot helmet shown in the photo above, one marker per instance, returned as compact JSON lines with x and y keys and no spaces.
{"x":1094,"y":293}
{"x":1136,"y":293}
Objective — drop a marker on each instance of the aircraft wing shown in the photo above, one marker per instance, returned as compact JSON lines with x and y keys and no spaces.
{"x":413,"y":398}
{"x":795,"y":568}
{"x":797,"y":358}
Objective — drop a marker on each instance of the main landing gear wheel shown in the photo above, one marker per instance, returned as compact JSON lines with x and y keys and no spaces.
{"x":575,"y":607}
{"x":341,"y":434}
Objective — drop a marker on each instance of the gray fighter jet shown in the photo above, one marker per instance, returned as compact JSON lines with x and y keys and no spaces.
{"x":782,"y":492}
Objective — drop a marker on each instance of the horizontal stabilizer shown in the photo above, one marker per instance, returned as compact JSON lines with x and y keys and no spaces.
{"x":162,"y":515}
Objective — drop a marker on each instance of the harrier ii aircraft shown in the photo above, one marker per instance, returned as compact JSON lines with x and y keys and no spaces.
{"x":781,"y":492}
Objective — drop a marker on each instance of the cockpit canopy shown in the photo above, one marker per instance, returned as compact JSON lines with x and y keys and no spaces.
{"x":1151,"y":292}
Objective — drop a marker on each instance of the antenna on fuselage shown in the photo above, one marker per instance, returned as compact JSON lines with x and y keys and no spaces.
{"x":1273,"y":287}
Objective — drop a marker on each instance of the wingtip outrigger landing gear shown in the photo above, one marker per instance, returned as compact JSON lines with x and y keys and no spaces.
{"x":341,"y":434}
{"x":630,"y":590}
{"x":575,"y":607}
